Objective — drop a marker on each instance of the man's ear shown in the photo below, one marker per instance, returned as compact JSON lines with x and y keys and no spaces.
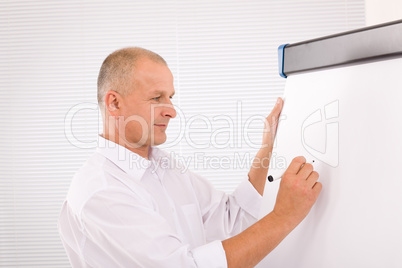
{"x":112,"y":102}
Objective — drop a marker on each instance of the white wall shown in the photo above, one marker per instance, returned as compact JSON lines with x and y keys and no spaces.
{"x":381,"y":11}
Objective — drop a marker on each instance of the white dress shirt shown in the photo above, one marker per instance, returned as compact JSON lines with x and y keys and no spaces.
{"x":123,"y":210}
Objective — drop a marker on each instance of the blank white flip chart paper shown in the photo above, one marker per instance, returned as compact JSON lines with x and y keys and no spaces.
{"x":349,"y":120}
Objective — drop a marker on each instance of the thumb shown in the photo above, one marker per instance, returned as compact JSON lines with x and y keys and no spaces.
{"x":277,"y":108}
{"x":271,"y":124}
{"x":273,"y":117}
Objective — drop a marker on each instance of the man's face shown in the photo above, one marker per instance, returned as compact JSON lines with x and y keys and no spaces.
{"x":146,"y":111}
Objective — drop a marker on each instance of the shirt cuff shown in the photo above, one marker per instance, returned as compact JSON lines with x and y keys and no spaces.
{"x":248,"y":198}
{"x":211,"y":255}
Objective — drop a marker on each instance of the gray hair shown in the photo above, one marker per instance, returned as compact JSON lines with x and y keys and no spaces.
{"x":117,"y":70}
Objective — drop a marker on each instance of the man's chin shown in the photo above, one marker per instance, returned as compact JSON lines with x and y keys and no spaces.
{"x":158,"y":140}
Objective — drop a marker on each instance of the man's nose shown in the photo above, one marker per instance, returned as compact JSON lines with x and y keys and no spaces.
{"x":169,"y":110}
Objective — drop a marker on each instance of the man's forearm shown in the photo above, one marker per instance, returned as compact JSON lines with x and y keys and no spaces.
{"x":248,"y":248}
{"x":298,"y":191}
{"x":259,"y":169}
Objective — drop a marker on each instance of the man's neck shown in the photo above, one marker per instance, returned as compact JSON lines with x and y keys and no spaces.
{"x":142,"y":151}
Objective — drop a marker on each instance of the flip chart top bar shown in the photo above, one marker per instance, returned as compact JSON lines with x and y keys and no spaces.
{"x":383,"y":40}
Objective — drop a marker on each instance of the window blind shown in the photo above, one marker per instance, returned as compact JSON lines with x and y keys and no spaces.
{"x":222,"y":55}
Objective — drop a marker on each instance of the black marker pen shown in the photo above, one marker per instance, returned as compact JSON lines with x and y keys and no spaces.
{"x":272,"y":178}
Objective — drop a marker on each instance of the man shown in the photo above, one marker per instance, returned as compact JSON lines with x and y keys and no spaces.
{"x":125,"y":209}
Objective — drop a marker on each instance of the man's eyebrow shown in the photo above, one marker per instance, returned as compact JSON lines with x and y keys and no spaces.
{"x":158,"y":92}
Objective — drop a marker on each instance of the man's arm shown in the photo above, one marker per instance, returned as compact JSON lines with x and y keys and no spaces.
{"x":298,"y":192}
{"x":259,"y":169}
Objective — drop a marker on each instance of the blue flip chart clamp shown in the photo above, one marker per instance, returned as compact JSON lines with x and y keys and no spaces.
{"x":281,"y":59}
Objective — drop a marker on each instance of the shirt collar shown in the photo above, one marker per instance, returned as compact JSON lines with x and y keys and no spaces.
{"x":130,"y":162}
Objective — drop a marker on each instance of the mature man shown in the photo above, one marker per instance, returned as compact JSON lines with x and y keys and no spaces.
{"x":125,"y":209}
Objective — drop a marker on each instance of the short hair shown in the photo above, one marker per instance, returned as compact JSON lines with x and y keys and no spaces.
{"x":117,"y":70}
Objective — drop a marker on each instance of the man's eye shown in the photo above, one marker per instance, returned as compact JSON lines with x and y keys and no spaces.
{"x":156,"y":98}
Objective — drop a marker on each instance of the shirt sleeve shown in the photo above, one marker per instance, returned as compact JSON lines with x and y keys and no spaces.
{"x":123,"y":231}
{"x":225,"y":215}
{"x":248,"y":198}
